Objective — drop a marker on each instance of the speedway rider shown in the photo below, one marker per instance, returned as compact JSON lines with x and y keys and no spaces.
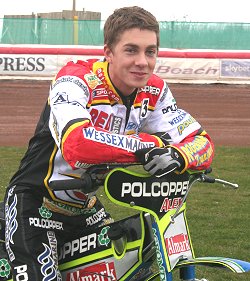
{"x":98,"y":111}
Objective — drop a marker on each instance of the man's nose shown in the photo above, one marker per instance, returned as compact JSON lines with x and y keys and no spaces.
{"x":141,"y":59}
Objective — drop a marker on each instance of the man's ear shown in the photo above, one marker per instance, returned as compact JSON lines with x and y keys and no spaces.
{"x":107,"y":53}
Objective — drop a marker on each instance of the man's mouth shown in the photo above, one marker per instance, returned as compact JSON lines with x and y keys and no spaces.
{"x":139,"y":73}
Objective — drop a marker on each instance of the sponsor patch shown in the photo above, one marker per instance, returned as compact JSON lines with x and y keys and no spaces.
{"x":151,"y":90}
{"x":235,"y":68}
{"x":63,"y":98}
{"x":97,"y":217}
{"x":100,"y":93}
{"x":177,"y":244}
{"x":116,"y":124}
{"x":170,"y":108}
{"x":120,"y":141}
{"x":92,"y":80}
{"x":104,"y":271}
{"x":65,"y":209}
{"x":78,"y":246}
{"x":178,"y":118}
{"x":185,"y":124}
{"x":103,"y":238}
{"x":48,"y":269}
{"x":46,"y":223}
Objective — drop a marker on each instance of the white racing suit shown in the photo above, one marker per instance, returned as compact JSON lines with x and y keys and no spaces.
{"x":86,"y":121}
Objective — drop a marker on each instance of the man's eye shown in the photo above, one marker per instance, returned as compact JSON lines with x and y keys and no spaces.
{"x":130,"y":50}
{"x":151,"y":52}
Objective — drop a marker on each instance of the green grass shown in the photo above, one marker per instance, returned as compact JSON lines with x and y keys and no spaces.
{"x":218,"y":216}
{"x":9,"y":162}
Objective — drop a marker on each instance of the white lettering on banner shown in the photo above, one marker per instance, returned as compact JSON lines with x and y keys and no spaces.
{"x":28,"y":65}
{"x":46,"y":223}
{"x":81,"y":245}
{"x":166,"y":67}
{"x":124,"y":142}
{"x":235,"y":68}
{"x":157,"y":189}
{"x":188,"y":68}
{"x":22,"y":63}
{"x":185,"y":71}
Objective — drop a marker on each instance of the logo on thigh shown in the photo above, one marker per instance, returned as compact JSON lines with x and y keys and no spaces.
{"x":48,"y":268}
{"x":10,"y":221}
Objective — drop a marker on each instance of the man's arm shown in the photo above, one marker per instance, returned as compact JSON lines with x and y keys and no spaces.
{"x":83,"y":143}
{"x":195,"y":152}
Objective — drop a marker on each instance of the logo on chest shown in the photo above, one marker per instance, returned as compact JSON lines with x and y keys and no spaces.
{"x":109,"y":122}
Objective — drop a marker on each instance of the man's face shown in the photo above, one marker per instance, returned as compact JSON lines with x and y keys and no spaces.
{"x":132,"y":59}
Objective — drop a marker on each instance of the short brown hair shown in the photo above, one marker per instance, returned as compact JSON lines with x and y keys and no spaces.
{"x":127,"y":18}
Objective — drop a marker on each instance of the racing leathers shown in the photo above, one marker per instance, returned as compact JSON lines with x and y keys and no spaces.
{"x":86,"y":121}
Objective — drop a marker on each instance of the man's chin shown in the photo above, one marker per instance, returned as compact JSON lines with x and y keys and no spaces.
{"x":140,"y":84}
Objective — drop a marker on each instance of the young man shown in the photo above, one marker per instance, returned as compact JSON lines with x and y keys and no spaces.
{"x":113,"y":110}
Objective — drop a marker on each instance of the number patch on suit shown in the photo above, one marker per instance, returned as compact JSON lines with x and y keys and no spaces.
{"x":144,"y":107}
